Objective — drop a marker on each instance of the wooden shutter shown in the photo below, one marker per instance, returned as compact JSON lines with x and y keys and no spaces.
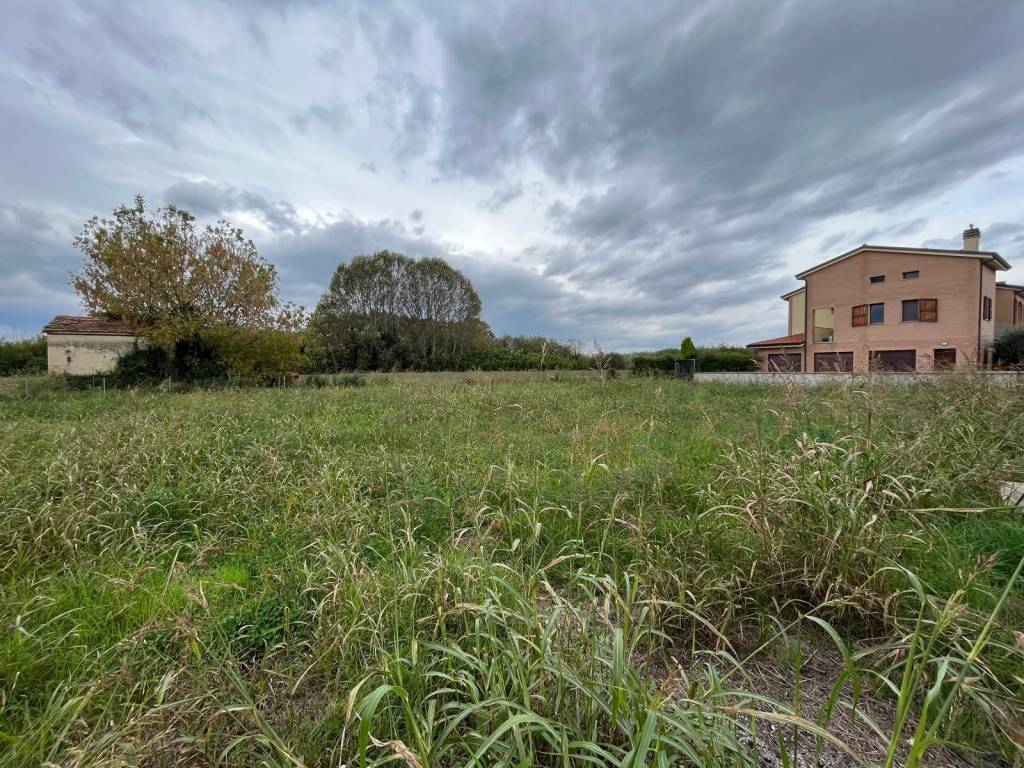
{"x":860,"y":315}
{"x":928,"y":310}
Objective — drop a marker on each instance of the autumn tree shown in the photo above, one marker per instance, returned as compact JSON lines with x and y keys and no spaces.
{"x":390,"y":311}
{"x":190,"y":288}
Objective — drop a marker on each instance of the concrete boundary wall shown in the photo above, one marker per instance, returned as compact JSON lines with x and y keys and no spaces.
{"x":1004,"y":378}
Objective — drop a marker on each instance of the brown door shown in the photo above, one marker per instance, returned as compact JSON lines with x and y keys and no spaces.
{"x":833,"y":361}
{"x":894,"y":360}
{"x":945,"y":359}
{"x":785,"y":363}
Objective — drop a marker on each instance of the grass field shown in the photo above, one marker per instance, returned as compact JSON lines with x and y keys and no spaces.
{"x":488,"y":570}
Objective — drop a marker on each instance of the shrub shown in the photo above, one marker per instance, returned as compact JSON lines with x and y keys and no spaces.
{"x":24,"y":356}
{"x":1009,"y":347}
{"x":720,"y":359}
{"x":655,"y":363}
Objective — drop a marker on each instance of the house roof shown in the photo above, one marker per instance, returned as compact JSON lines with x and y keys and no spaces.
{"x":794,"y":292}
{"x":1010,"y":286}
{"x":795,"y":340}
{"x":91,"y":326}
{"x":987,"y":255}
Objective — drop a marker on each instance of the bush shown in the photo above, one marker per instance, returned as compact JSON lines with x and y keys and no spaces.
{"x":148,"y":365}
{"x":25,"y":356}
{"x":726,"y":359}
{"x":709,"y":360}
{"x":662,"y":362}
{"x":1009,"y":347}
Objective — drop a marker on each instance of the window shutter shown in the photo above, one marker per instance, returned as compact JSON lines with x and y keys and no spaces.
{"x":860,"y":315}
{"x":928,"y":310}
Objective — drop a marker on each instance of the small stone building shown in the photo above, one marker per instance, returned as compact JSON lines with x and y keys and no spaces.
{"x":88,"y":345}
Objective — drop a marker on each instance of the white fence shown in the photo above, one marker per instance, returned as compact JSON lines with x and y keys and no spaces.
{"x":1005,"y":378}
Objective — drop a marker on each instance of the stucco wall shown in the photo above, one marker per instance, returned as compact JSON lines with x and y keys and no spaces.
{"x":797,"y":307}
{"x":1006,"y":298}
{"x":81,"y":355}
{"x":952,"y":280}
{"x":1009,"y":379}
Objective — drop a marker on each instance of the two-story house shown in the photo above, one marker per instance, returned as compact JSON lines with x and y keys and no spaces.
{"x":888,"y":308}
{"x":1009,"y":306}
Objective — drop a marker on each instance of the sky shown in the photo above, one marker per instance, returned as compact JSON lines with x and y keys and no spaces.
{"x":626,"y":173}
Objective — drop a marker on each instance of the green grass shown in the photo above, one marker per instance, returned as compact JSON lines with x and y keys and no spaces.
{"x":502,"y":570}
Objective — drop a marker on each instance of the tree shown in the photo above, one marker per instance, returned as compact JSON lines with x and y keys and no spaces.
{"x":1009,"y":346}
{"x":193,"y":291}
{"x":390,"y":311}
{"x":687,"y":349}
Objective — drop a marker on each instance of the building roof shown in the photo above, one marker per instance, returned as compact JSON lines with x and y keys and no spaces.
{"x":794,"y":292}
{"x":796,"y":340}
{"x":91,"y":326}
{"x":987,"y":255}
{"x":1010,"y":286}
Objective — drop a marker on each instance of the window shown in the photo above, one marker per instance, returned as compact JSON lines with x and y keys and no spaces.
{"x":876,"y":279}
{"x":986,"y":308}
{"x":912,"y":274}
{"x":928,"y":310}
{"x":876,"y":314}
{"x":823,"y":325}
{"x":910,"y":311}
{"x":859,"y":316}
{"x":945,"y":359}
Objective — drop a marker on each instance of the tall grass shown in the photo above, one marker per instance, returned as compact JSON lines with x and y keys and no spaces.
{"x":472,"y":570}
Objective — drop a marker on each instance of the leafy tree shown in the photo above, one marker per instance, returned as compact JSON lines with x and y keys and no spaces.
{"x":390,"y":311}
{"x":687,"y":349}
{"x":1009,"y":346}
{"x":197,"y":293}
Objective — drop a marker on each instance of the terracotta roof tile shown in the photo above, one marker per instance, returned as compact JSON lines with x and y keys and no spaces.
{"x":781,"y":341}
{"x":91,"y":326}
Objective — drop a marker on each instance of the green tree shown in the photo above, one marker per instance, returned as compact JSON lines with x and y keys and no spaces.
{"x":390,"y":311}
{"x":687,"y":349}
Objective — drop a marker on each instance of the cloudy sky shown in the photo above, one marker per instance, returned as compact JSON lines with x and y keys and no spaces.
{"x":629,"y":173}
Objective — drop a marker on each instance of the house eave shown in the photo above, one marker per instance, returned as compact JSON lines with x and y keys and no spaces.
{"x":984,"y":255}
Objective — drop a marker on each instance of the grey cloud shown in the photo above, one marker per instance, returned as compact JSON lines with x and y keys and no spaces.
{"x":114,"y":60}
{"x":685,"y":147}
{"x":502,"y":196}
{"x":1006,"y":237}
{"x":35,"y":258}
{"x":205,"y":198}
{"x":416,"y":215}
{"x":730,"y":121}
{"x":333,"y":117}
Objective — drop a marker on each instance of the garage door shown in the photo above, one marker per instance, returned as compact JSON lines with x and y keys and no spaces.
{"x":785,"y":362}
{"x":833,"y":361}
{"x":896,"y":360}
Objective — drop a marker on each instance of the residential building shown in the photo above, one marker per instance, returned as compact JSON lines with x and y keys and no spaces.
{"x":88,"y":345}
{"x":1009,"y":306}
{"x":890,"y":308}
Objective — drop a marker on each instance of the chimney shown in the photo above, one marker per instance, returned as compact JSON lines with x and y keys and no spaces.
{"x":972,"y":238}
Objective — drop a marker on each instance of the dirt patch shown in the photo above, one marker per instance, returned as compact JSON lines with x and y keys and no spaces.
{"x":806,"y":689}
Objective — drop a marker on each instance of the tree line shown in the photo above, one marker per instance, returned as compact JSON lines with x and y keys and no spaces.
{"x":209,"y":308}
